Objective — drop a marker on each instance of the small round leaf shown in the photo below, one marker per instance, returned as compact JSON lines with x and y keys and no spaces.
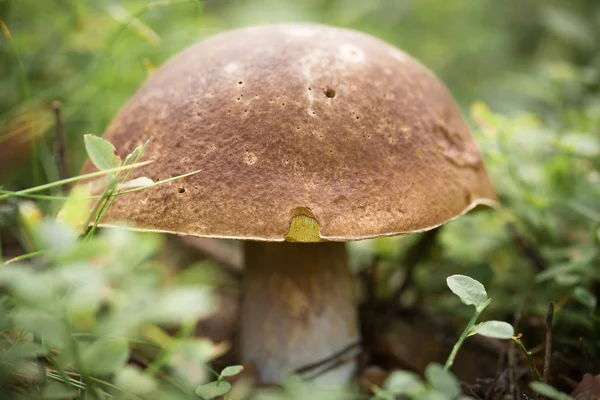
{"x":442,"y":380}
{"x":470,"y":291}
{"x":232,"y":370}
{"x":493,"y":329}
{"x":134,"y":381}
{"x":105,"y":356}
{"x":403,"y":382}
{"x":585,"y":297}
{"x":57,"y":391}
{"x":213,"y":389}
{"x":548,"y":391}
{"x":101,"y":152}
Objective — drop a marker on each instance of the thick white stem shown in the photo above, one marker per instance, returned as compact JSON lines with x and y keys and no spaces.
{"x":298,"y":309}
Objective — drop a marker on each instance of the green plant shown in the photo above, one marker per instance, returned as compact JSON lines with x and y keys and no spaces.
{"x":79,"y":308}
{"x":537,"y":68}
{"x":471,"y":292}
{"x":220,"y":387}
{"x":550,"y":392}
{"x":440,"y":383}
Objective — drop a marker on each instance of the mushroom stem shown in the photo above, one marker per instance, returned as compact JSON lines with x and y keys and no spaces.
{"x":299,"y":309}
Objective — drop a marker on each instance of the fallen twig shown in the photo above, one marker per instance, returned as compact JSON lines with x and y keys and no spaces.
{"x":548,"y":351}
{"x":60,"y":149}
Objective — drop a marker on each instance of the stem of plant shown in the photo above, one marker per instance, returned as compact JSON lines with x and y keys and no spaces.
{"x":517,"y":340}
{"x":462,"y":338}
{"x":548,"y":350}
{"x":185,"y":332}
{"x":61,"y":372}
{"x":41,"y":363}
{"x":78,"y":363}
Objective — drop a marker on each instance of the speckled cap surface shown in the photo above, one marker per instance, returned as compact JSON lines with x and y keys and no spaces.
{"x":289,"y":120}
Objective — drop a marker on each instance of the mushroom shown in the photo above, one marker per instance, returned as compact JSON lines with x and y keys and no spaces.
{"x":307,"y":136}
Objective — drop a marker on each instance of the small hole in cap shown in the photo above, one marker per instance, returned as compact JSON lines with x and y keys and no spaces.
{"x":330,"y":93}
{"x":181,"y":190}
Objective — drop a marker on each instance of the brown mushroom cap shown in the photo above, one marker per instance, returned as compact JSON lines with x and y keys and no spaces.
{"x":292,"y":120}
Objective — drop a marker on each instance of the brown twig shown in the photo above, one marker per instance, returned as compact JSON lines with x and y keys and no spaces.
{"x":590,"y":360}
{"x":414,"y":255}
{"x":548,"y":351}
{"x":331,"y":362}
{"x":527,"y":248}
{"x":60,"y":149}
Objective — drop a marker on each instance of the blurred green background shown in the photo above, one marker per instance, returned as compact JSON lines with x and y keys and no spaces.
{"x":526,"y":73}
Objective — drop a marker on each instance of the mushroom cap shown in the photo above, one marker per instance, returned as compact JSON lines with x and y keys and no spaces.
{"x":330,"y":128}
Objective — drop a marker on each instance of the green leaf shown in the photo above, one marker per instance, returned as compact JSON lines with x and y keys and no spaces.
{"x":493,"y":329}
{"x":30,"y":218}
{"x":213,"y":389}
{"x":59,"y":391}
{"x":132,"y":380}
{"x":53,"y":330}
{"x":182,"y":304}
{"x":382,"y":394}
{"x":232,"y":370}
{"x":403,"y":382}
{"x":549,"y":391}
{"x":442,"y":380}
{"x":101,"y":152}
{"x":585,"y":297}
{"x":470,"y":291}
{"x":27,"y":285}
{"x":191,"y":356}
{"x":57,"y":238}
{"x":105,"y":356}
{"x":434,"y":394}
{"x":75,"y":210}
{"x":27,"y":350}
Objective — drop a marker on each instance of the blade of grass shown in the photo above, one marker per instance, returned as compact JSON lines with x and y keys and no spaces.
{"x":130,"y":340}
{"x":65,"y":379}
{"x":23,"y":257}
{"x":73,"y":179}
{"x":120,"y":193}
{"x":131,"y":22}
{"x":184,"y":333}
